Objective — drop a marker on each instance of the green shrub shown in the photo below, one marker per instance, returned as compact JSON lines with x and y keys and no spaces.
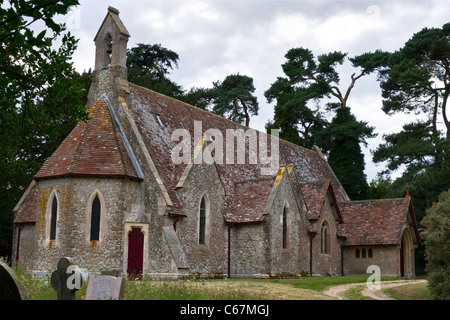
{"x":437,"y":247}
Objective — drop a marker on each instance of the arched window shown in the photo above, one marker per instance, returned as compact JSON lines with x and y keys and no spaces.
{"x":363,"y":253}
{"x":202,"y":224}
{"x":324,"y":238}
{"x":357,"y":253}
{"x":95,"y":219}
{"x":369,"y":253}
{"x":284,"y":223}
{"x":53,"y":218}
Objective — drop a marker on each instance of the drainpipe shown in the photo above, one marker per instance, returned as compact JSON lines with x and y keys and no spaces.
{"x":342,"y":260}
{"x":310,"y":255}
{"x":229,"y":249}
{"x":18,"y":241}
{"x":311,"y":236}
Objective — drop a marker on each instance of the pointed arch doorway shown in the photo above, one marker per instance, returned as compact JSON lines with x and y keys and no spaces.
{"x":135,"y":254}
{"x":406,"y":255}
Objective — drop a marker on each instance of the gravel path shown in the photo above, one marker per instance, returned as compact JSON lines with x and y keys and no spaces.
{"x":377,"y":294}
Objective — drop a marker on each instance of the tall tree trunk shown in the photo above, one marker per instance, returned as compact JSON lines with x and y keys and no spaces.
{"x":444,"y":115}
{"x":247,"y":118}
{"x":435,"y":111}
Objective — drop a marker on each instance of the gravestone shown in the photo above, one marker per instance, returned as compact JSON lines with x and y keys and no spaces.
{"x":10,"y":287}
{"x":66,"y":280}
{"x":105,"y":288}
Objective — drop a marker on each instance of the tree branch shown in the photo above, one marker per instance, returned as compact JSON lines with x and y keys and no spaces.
{"x":338,"y":94}
{"x":352,"y":84}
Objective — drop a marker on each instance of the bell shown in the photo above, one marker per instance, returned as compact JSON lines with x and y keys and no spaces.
{"x":109,"y":48}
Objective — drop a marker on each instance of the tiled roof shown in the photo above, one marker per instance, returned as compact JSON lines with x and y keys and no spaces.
{"x":27,"y":206}
{"x":93,"y":148}
{"x":96,"y":148}
{"x":314,"y":194}
{"x":157,"y":116}
{"x":375,"y":222}
{"x":249,"y":200}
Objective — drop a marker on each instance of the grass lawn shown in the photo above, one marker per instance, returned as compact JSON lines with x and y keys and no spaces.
{"x":418,"y":291}
{"x":321,"y":284}
{"x":356,"y":294}
{"x":307,"y":288}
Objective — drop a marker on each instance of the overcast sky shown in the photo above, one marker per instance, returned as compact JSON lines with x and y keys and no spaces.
{"x":216,"y":38}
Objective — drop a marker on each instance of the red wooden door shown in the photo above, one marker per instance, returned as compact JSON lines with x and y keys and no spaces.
{"x":135,"y":254}
{"x":402,"y":259}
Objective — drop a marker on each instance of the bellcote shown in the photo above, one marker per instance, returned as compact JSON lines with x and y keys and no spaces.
{"x":111,"y":44}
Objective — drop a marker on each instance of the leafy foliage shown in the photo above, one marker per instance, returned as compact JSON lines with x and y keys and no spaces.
{"x":416,"y":146}
{"x":41,"y":96}
{"x":437,"y":240}
{"x":379,"y":188}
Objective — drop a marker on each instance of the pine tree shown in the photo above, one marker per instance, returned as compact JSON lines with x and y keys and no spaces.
{"x":234,"y":98}
{"x":149,"y":65}
{"x":346,"y":157}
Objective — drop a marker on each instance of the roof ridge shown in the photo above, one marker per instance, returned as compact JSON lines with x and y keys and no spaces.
{"x":379,"y":200}
{"x":263,"y":178}
{"x":119,"y":146}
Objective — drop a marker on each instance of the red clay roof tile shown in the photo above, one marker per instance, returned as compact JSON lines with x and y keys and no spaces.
{"x":375,"y":222}
{"x":314,"y":194}
{"x":93,"y":148}
{"x":146,"y":106}
{"x":26,"y":212}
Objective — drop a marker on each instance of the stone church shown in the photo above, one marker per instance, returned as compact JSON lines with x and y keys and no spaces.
{"x":112,"y":198}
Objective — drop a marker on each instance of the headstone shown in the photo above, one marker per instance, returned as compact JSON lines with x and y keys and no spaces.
{"x":105,"y":288}
{"x":10,"y":286}
{"x":66,"y":280}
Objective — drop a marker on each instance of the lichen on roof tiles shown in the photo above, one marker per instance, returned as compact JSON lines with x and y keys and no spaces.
{"x":145,"y":104}
{"x":93,"y":148}
{"x":375,"y":222}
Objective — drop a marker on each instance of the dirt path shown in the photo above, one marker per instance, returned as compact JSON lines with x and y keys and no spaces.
{"x":380,"y":295}
{"x":337,"y":291}
{"x":377,"y":294}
